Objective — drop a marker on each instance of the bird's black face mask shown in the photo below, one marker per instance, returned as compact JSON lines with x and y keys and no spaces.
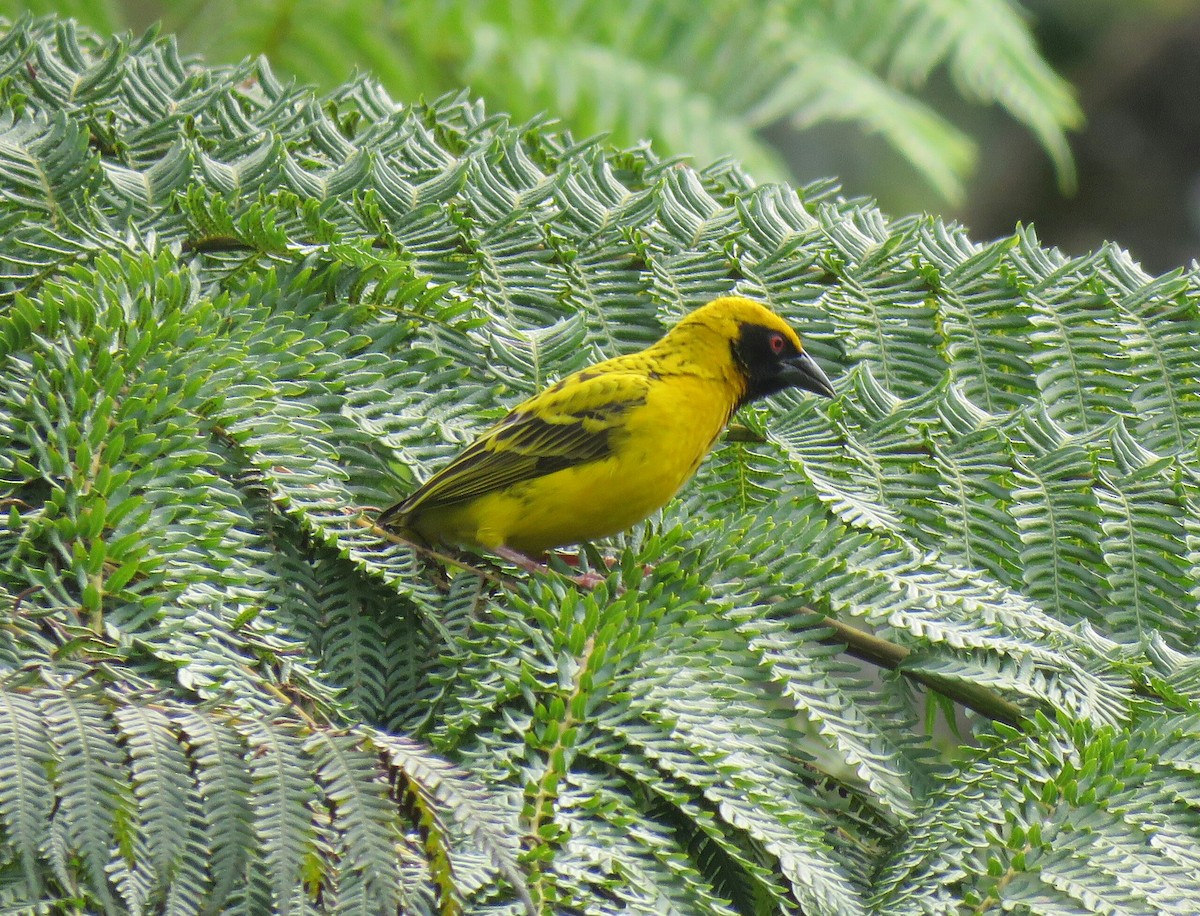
{"x":772,"y":363}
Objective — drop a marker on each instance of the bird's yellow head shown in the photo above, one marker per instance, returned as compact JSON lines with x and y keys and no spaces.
{"x":767,"y":353}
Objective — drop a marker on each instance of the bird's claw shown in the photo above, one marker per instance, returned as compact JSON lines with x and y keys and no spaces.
{"x":587,"y":580}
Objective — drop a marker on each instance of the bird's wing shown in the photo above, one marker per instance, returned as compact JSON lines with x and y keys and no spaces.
{"x":568,"y":424}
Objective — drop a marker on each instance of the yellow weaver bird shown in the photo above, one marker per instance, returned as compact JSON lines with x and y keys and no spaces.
{"x":605,"y":447}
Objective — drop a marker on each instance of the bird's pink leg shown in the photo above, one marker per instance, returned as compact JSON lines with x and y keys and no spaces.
{"x":572,"y":559}
{"x":587,"y":580}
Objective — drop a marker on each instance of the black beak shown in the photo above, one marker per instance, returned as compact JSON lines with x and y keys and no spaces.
{"x":803,"y":372}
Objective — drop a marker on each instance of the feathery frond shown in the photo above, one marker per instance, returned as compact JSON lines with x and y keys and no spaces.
{"x":236,"y":319}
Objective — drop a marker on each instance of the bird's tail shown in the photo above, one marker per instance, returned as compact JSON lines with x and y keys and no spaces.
{"x":394,"y":518}
{"x":397,"y":520}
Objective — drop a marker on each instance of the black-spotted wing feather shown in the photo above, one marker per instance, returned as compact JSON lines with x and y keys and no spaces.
{"x":571,"y":423}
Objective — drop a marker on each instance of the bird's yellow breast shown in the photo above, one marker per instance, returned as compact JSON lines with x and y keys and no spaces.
{"x":655,"y":450}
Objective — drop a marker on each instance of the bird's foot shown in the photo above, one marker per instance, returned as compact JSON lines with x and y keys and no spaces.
{"x":610,"y":562}
{"x":575,"y":559}
{"x":588,"y":580}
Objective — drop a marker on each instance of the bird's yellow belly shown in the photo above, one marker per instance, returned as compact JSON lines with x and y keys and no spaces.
{"x":658,"y":451}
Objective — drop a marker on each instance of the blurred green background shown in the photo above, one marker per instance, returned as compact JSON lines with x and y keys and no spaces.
{"x":1079,"y":116}
{"x":1136,"y":70}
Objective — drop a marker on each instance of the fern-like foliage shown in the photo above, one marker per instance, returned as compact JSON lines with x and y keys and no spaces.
{"x":234,"y":317}
{"x":700,"y":79}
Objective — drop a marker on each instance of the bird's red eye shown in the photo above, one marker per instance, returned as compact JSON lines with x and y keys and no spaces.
{"x":776,"y":343}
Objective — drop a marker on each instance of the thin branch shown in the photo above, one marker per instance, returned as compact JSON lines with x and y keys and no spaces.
{"x":444,"y":558}
{"x":282,"y":696}
{"x":215,"y":243}
{"x":878,"y":651}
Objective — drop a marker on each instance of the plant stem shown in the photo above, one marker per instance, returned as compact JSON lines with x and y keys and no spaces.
{"x":878,"y":651}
